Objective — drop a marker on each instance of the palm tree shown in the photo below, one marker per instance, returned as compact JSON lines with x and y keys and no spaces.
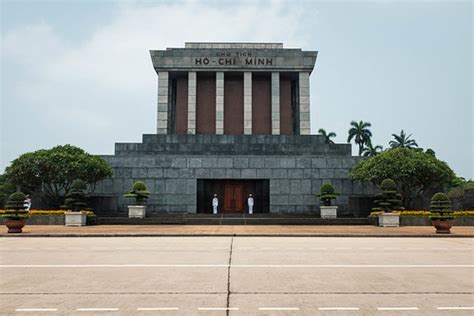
{"x":371,"y":151}
{"x":327,"y":137}
{"x":403,"y":140}
{"x":361,"y":134}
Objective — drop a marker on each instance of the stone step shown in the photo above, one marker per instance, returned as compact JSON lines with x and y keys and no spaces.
{"x":209,"y":219}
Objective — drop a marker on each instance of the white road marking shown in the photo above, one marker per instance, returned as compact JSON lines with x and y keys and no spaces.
{"x":391,"y":248}
{"x":367,"y":248}
{"x":268,"y":248}
{"x":338,"y":308}
{"x":218,"y":308}
{"x":397,"y":308}
{"x":320,"y":248}
{"x":157,"y":308}
{"x":36,"y":309}
{"x":342,"y":248}
{"x":314,"y":266}
{"x":456,"y":308}
{"x":220,"y":248}
{"x":415,"y":248}
{"x":440,"y":248}
{"x":97,"y":309}
{"x":278,"y":309}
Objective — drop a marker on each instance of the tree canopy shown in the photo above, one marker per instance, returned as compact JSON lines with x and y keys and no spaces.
{"x":327,"y":136}
{"x":361,"y":134}
{"x":51,"y":172}
{"x":403,"y":140}
{"x":413,"y":171}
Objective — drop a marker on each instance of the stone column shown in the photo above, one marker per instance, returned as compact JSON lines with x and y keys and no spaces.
{"x":275,"y":103}
{"x":219,"y":102}
{"x":192,"y":102}
{"x":305,"y":128}
{"x":247,"y":103}
{"x":162,"y":120}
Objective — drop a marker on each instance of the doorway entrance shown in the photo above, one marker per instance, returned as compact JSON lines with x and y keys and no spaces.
{"x":232,"y":195}
{"x":233,"y":198}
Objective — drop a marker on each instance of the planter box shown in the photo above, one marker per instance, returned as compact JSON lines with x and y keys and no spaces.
{"x":136,"y":211}
{"x":389,"y":219}
{"x":328,"y":211}
{"x":75,"y":218}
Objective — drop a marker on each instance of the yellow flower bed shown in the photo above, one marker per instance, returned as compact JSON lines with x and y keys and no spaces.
{"x":50,"y":212}
{"x":426,"y":213}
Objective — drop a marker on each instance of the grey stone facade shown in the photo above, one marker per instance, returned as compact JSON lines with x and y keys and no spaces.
{"x":170,"y":165}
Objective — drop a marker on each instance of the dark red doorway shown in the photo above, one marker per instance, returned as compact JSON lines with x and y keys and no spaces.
{"x":232,"y":195}
{"x":233,"y":198}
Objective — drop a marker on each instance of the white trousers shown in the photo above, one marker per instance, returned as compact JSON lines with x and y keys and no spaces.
{"x":250,"y":209}
{"x":214,"y":209}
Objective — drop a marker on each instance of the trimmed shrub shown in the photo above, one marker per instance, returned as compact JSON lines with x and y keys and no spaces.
{"x":139,"y":192}
{"x":389,"y":200}
{"x":15,"y":207}
{"x":327,"y":194}
{"x":441,"y":206}
{"x":76,"y":198}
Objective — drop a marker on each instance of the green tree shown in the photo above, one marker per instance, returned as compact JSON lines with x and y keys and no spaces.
{"x":403,"y":140}
{"x":6,"y":188}
{"x":51,"y":172}
{"x":327,"y":136}
{"x":360,"y":133}
{"x":413,"y":171}
{"x":371,"y":150}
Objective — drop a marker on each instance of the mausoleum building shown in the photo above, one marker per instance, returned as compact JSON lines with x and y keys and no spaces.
{"x":233,"y":119}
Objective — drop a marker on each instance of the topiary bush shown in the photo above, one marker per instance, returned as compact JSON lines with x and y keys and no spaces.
{"x":15,"y":207}
{"x":327,"y":194}
{"x":389,"y":200}
{"x":139,"y":192}
{"x":441,"y":206}
{"x":76,"y":198}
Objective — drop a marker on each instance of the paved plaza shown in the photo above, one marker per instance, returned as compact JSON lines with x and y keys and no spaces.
{"x":237,"y":276}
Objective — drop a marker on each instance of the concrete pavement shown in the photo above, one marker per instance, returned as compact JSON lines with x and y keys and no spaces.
{"x":237,"y":276}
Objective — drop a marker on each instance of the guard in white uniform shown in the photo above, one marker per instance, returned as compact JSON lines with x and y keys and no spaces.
{"x":215,"y":204}
{"x":250,"y":203}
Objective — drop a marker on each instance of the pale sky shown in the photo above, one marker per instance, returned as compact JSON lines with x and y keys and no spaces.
{"x":79,"y":72}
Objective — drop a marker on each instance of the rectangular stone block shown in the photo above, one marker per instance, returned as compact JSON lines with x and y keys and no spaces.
{"x":224,"y":162}
{"x":194,"y":163}
{"x":155,"y":173}
{"x":295,"y":186}
{"x":279,"y":173}
{"x":170,"y":173}
{"x":217,"y":173}
{"x":249,"y":173}
{"x":264,"y":173}
{"x":241,"y":162}
{"x":319,"y":163}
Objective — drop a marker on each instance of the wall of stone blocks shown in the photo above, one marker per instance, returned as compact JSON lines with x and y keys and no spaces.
{"x":172,"y":179}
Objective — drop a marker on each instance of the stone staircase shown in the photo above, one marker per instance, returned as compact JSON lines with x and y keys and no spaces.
{"x":231,"y":219}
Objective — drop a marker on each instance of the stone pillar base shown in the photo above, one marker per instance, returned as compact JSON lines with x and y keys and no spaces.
{"x":389,"y":220}
{"x":328,"y":211}
{"x":75,"y":219}
{"x":136,"y":211}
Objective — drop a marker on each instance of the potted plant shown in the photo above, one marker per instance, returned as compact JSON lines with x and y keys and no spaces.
{"x":388,"y":202}
{"x":76,"y":202}
{"x":442,"y":218}
{"x":15,"y":215}
{"x":327,"y":194}
{"x":140,"y":193}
